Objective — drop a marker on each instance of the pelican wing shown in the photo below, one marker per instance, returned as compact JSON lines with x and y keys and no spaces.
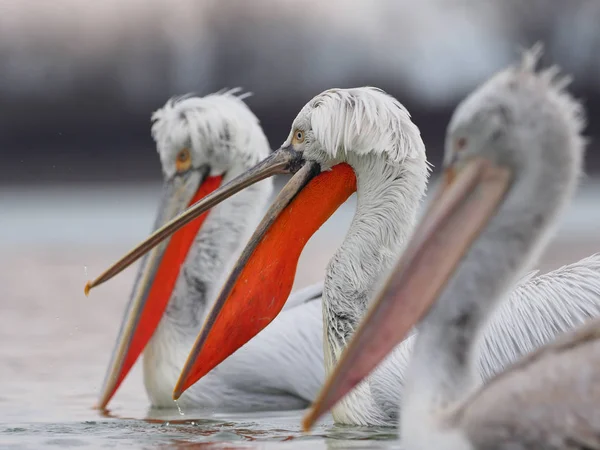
{"x":538,"y":310}
{"x":304,"y":295}
{"x":547,"y":400}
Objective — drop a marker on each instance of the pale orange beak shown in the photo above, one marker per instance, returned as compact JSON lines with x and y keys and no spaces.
{"x":262,"y":278}
{"x":459,"y":212}
{"x":283,"y":161}
{"x":157,"y":276}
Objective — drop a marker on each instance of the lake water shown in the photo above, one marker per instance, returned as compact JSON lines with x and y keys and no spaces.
{"x":56,"y":343}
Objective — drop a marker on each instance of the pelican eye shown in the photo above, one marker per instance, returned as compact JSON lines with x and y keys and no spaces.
{"x":298,"y":137}
{"x":184,"y":160}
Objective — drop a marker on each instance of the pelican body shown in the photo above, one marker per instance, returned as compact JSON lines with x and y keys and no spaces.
{"x":203,"y":142}
{"x":344,"y":141}
{"x":514,"y":156}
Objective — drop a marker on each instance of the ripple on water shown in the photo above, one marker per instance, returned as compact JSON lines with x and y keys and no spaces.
{"x":15,"y":430}
{"x":197,"y":433}
{"x":66,"y":442}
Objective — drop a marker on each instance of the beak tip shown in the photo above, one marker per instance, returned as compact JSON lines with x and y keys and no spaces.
{"x":101,"y":404}
{"x":177,"y":392}
{"x":87,"y":288}
{"x":308,"y":421}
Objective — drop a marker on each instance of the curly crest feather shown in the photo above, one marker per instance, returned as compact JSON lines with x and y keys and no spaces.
{"x":364,"y":120}
{"x":548,"y":83}
{"x":219,"y":120}
{"x":554,"y":83}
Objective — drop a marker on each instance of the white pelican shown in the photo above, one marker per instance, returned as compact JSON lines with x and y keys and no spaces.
{"x":514,"y":155}
{"x":342,"y":140}
{"x":203,"y":142}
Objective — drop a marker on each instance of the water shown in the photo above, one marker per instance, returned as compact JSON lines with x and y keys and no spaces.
{"x":56,"y":342}
{"x":216,"y":431}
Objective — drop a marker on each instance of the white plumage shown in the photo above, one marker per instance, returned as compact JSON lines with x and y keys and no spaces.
{"x":219,"y":128}
{"x":538,"y":310}
{"x":523,"y":122}
{"x":390,"y":187}
{"x":361,"y":121}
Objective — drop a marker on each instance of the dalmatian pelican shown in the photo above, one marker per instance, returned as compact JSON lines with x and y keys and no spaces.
{"x":203,"y":142}
{"x":514,"y":156}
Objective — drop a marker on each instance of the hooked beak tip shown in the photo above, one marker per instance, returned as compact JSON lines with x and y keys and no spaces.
{"x":87,"y":288}
{"x":176,"y":394}
{"x":308,"y":421}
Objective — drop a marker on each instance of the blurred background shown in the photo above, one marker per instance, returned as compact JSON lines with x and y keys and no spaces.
{"x":79,"y":174}
{"x":80,"y":78}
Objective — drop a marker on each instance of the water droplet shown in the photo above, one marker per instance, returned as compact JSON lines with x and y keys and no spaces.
{"x":85,"y":271}
{"x":167,"y":424}
{"x":57,"y":318}
{"x":181,"y":413}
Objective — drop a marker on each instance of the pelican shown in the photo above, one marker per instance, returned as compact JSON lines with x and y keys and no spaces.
{"x":514,"y":156}
{"x":347,"y":140}
{"x":204,"y":142}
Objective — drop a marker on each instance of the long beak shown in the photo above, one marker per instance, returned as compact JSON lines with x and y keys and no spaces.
{"x":284,"y":160}
{"x":456,"y":217}
{"x":157,"y":276}
{"x":262,"y":278}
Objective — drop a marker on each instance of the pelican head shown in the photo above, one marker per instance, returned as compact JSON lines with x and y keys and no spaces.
{"x":202,"y":142}
{"x":217,"y":132}
{"x":522,"y":119}
{"x":513,"y":156}
{"x":338,"y":134}
{"x":339,"y":123}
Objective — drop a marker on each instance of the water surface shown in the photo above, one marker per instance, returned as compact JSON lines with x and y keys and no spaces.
{"x":56,"y":343}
